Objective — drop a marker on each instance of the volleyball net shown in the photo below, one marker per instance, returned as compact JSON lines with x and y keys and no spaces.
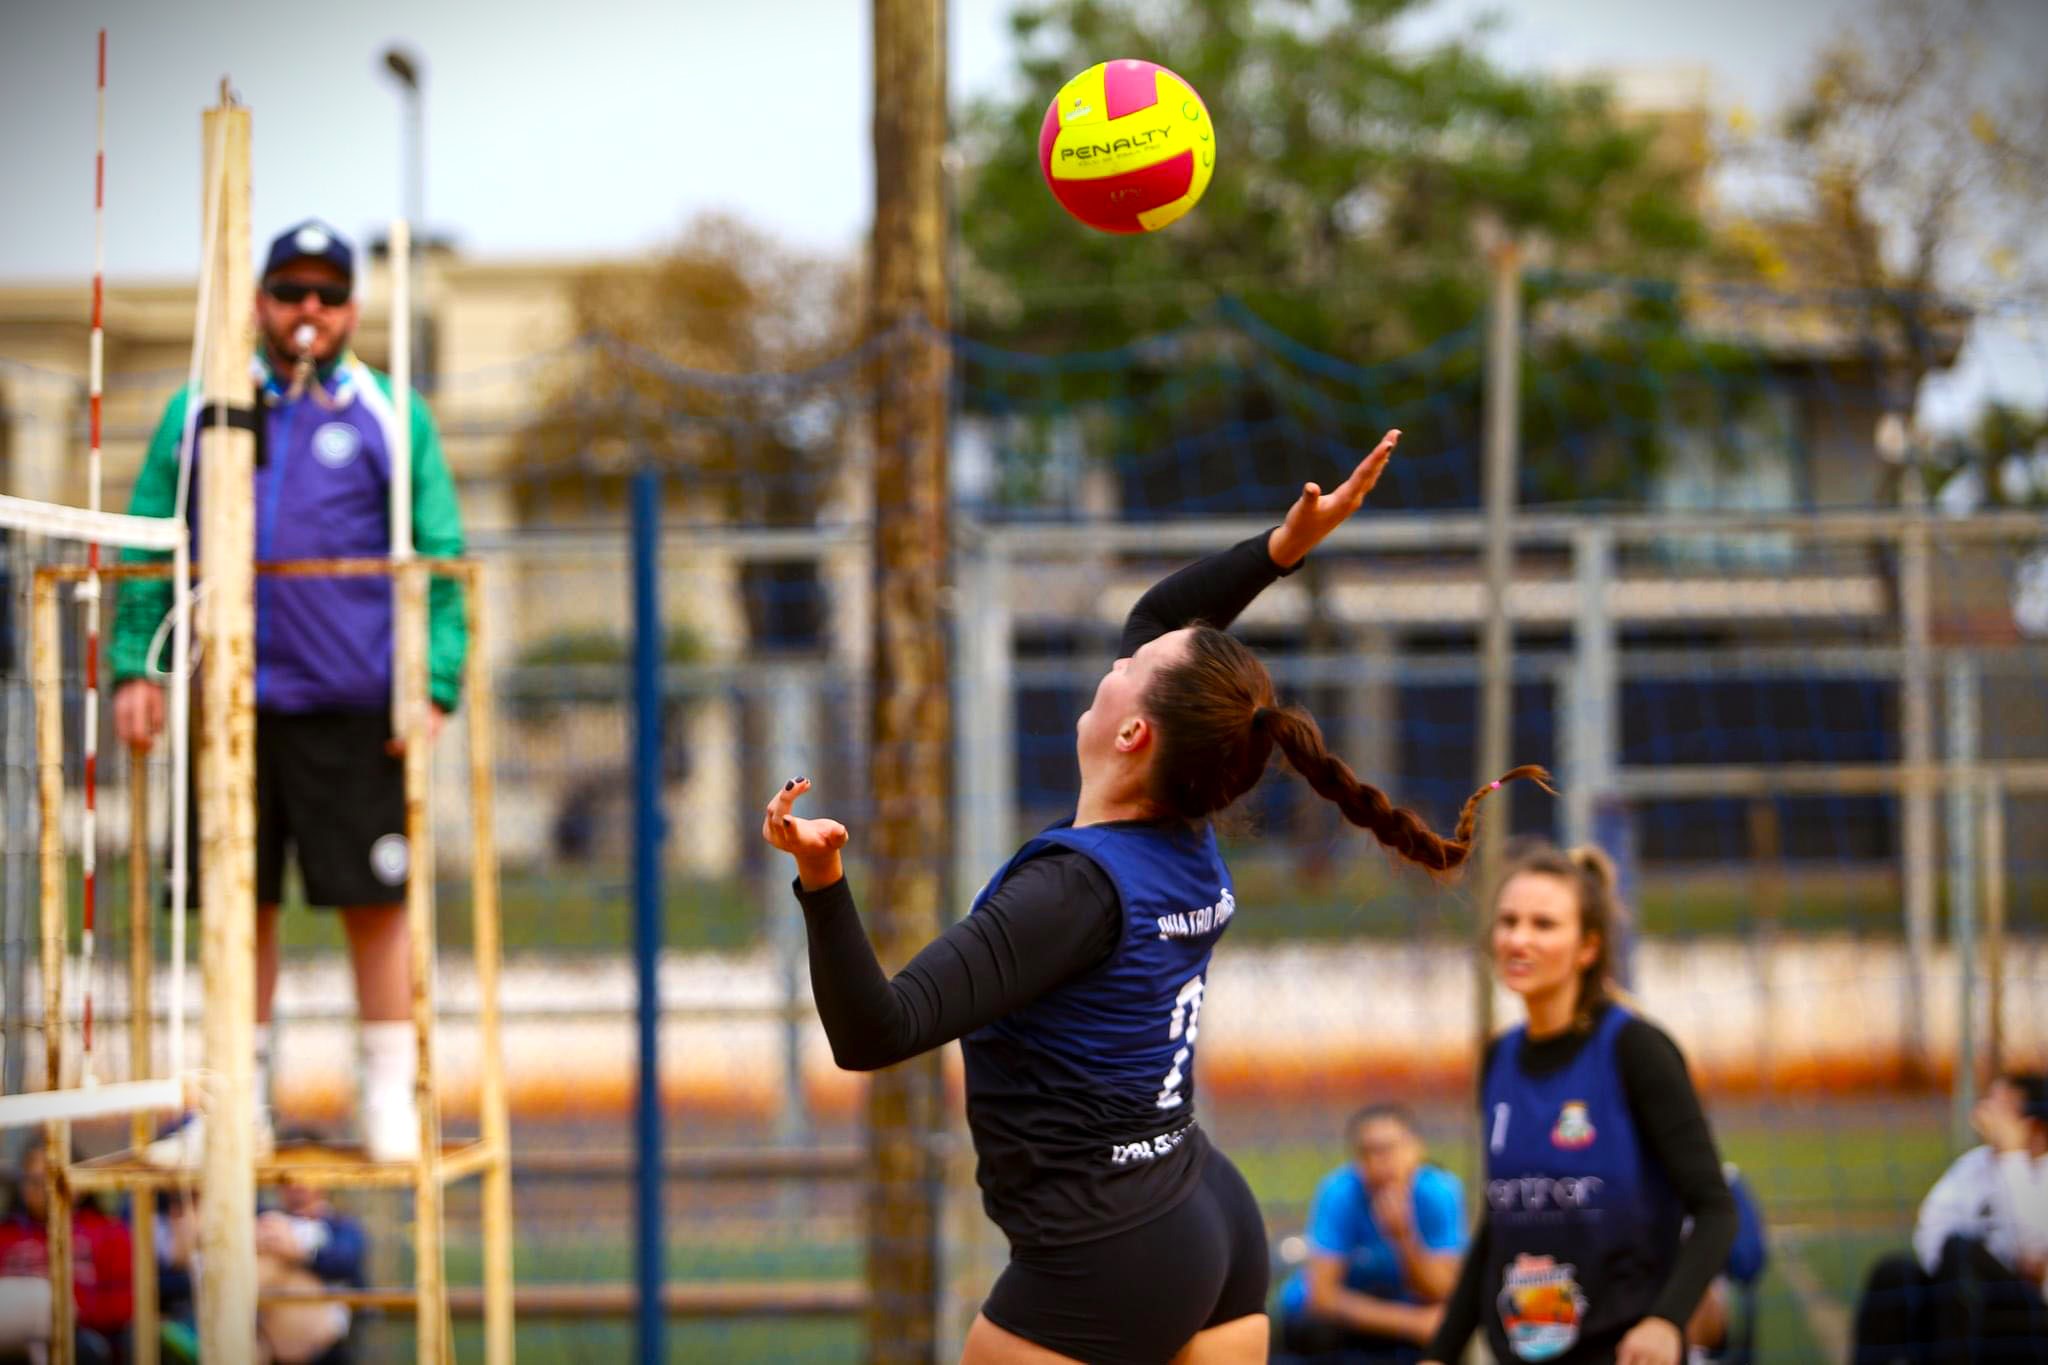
{"x":57,"y":711}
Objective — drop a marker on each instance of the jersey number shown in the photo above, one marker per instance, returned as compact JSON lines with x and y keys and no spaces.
{"x":1187,"y":1017}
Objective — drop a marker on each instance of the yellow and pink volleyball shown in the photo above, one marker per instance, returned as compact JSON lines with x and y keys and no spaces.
{"x":1127,"y":146}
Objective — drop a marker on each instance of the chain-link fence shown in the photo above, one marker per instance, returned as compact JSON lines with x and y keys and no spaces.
{"x":1791,"y":684}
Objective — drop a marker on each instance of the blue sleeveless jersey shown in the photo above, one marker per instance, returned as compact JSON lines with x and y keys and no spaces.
{"x":1082,"y":1102}
{"x":1583,"y":1227}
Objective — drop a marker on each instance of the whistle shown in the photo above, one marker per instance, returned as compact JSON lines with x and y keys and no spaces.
{"x":302,"y":337}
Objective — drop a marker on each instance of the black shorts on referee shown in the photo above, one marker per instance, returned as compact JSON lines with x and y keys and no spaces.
{"x":330,"y":795}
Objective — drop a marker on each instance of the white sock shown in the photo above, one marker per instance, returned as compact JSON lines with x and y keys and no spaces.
{"x":391,"y":1063}
{"x":261,"y":1081}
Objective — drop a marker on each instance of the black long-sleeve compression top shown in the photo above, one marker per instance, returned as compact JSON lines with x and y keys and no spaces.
{"x":1051,"y":920}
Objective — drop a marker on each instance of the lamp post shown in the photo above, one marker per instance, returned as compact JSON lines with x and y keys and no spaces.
{"x":405,"y":67}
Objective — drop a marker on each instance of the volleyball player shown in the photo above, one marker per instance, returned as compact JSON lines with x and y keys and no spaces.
{"x":1077,"y":982}
{"x":1596,"y":1148}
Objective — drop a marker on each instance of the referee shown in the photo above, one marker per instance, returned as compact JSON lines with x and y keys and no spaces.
{"x":330,"y":785}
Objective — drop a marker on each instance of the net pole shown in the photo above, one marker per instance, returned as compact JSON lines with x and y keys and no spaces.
{"x":182,"y":600}
{"x":88,"y":834}
{"x":227,"y":809}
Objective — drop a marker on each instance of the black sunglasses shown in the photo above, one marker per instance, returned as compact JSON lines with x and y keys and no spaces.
{"x":292,"y":291}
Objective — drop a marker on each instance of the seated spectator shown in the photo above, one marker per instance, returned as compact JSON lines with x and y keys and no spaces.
{"x":102,"y":1275}
{"x":1385,"y":1234}
{"x":303,"y":1243}
{"x":1972,"y":1287}
{"x":1717,"y":1331}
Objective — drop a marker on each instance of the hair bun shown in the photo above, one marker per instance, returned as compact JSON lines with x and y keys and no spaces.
{"x":1595,"y":863}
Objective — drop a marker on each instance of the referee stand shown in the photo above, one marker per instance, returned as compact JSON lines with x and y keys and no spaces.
{"x":336,"y":1166}
{"x":232,"y":1170}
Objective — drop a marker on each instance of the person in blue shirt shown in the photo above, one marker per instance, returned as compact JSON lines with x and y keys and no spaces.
{"x":1385,"y":1233}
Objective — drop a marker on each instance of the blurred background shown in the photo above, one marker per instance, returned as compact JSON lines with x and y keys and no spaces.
{"x":1778,"y":374}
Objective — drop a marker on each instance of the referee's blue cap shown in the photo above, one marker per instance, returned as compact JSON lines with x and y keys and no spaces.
{"x":312,"y":240}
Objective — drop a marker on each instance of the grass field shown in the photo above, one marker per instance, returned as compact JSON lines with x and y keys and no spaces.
{"x":1838,"y":1184}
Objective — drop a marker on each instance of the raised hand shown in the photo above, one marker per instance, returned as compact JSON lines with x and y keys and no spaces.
{"x":815,"y":844}
{"x":1315,"y":513}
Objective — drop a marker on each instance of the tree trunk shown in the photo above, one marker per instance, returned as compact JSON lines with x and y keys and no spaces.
{"x":911,"y":720}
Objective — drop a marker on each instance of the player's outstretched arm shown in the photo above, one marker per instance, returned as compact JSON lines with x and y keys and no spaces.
{"x":1315,"y":513}
{"x":1216,"y":588}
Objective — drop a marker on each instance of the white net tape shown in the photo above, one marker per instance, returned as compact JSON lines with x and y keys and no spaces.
{"x":61,"y":522}
{"x":57,"y":522}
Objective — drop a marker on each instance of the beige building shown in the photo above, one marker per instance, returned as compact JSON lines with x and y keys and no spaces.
{"x":488,"y":324}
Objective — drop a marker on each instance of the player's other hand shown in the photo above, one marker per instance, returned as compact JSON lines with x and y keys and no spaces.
{"x":138,"y":712}
{"x":1315,"y":513}
{"x":815,"y":844}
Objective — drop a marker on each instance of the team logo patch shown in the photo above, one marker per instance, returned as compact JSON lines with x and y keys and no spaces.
{"x":336,"y":443}
{"x":311,"y":240}
{"x":389,"y":858}
{"x":1574,"y":1129}
{"x":1541,"y":1306}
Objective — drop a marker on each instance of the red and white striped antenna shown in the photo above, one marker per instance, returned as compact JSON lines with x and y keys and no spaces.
{"x":95,"y":375}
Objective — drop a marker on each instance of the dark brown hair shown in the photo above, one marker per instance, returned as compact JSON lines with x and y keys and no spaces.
{"x":1590,"y":874}
{"x":1218,"y":726}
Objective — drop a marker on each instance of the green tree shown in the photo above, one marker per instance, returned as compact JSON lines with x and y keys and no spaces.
{"x":1351,"y":176}
{"x":712,"y":364}
{"x":2003,"y":458}
{"x":1909,"y":168}
{"x":662,"y":343}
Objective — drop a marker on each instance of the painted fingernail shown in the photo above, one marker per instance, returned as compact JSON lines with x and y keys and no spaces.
{"x":789,"y":784}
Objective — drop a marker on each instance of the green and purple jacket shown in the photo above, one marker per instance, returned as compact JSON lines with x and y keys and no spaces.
{"x":323,"y":492}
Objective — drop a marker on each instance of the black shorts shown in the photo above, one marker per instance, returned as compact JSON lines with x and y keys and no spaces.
{"x":1137,"y":1297}
{"x":328,"y":794}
